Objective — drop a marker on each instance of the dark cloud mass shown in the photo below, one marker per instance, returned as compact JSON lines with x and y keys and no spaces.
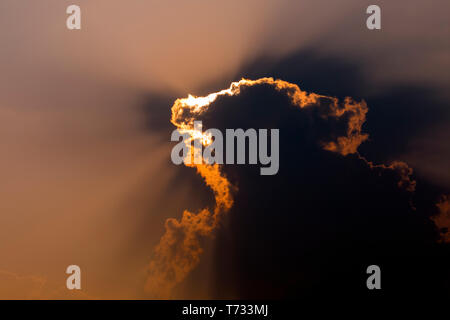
{"x":315,"y":227}
{"x":398,"y":114}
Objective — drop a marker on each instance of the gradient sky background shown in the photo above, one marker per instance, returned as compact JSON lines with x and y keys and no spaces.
{"x":84,"y":116}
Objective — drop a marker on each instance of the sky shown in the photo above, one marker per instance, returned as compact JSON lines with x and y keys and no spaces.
{"x":85,"y":136}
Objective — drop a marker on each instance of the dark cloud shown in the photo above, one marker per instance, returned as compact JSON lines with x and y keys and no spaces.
{"x":313,"y":228}
{"x":398,"y":113}
{"x":316,"y":226}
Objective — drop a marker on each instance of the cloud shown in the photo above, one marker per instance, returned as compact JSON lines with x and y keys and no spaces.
{"x":401,"y":168}
{"x":179,"y":250}
{"x":314,"y":227}
{"x":185,"y":110}
{"x":442,"y":219}
{"x":314,"y":127}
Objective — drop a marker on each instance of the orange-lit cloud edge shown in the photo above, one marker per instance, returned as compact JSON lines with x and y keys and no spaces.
{"x":179,"y":249}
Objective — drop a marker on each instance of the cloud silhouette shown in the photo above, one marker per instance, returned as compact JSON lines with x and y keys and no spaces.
{"x":327,"y":198}
{"x":313,"y":229}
